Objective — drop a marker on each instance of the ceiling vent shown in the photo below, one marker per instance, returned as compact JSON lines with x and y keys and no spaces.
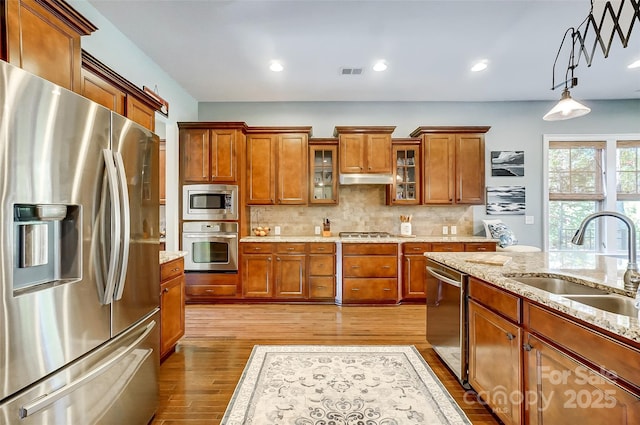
{"x":350,"y":71}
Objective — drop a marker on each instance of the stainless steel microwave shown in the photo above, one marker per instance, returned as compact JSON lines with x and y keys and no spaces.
{"x":209,"y":202}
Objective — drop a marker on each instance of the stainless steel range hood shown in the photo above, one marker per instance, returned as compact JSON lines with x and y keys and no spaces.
{"x":366,"y":178}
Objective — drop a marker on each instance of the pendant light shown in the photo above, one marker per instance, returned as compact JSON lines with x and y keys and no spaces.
{"x":566,"y":108}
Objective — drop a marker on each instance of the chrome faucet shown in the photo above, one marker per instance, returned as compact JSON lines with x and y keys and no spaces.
{"x":631,"y":276}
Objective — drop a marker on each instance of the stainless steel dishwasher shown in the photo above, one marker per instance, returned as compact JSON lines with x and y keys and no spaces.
{"x":446,"y":290}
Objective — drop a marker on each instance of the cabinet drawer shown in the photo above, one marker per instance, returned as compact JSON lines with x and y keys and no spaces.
{"x":256,"y":248}
{"x":322,"y":265}
{"x":495,"y":299}
{"x":369,"y":249}
{"x":211,"y":290}
{"x":322,"y":287}
{"x":171,"y":269}
{"x":409,"y":248}
{"x":370,"y":266}
{"x":614,"y":356}
{"x":322,"y":248}
{"x":369,"y":289}
{"x":447,"y":247}
{"x":291,"y":248}
{"x":480,"y":247}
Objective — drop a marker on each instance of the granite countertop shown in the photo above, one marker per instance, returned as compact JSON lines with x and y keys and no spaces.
{"x":166,"y":256}
{"x":590,"y":269}
{"x":392,"y":239}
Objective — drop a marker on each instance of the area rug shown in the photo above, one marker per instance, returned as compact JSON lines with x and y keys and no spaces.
{"x":340,"y":385}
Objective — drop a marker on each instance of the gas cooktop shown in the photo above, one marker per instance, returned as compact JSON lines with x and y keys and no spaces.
{"x":361,"y":235}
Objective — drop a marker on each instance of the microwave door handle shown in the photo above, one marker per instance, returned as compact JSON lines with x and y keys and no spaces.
{"x":125,"y":214}
{"x":39,"y":404}
{"x":112,"y":179}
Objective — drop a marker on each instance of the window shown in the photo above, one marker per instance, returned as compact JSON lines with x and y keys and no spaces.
{"x":585,"y":176}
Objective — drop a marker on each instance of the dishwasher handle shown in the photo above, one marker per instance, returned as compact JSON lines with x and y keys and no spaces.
{"x":440,"y":275}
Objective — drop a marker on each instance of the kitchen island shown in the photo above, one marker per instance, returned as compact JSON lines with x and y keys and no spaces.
{"x":537,"y":356}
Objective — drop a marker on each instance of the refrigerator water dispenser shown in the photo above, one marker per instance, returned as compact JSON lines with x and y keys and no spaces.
{"x":46,"y":246}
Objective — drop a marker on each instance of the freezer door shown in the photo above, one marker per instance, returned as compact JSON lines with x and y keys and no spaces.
{"x":52,"y":178}
{"x":114,"y":385}
{"x":137,"y":292}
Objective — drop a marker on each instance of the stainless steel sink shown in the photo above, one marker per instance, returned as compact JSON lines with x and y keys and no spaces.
{"x":612,"y":303}
{"x":558,"y":286}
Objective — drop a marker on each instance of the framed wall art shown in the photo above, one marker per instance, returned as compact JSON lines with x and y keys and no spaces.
{"x":507,"y":163}
{"x":505,"y":200}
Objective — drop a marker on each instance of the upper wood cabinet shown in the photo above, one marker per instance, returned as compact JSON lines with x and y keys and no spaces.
{"x":209,"y":151}
{"x":365,"y":149}
{"x":406,"y":187}
{"x":43,"y":37}
{"x":453,"y":168}
{"x":276,"y":165}
{"x":104,"y":86}
{"x":323,"y":171}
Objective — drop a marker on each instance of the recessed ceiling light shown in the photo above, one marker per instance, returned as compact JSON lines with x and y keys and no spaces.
{"x":480,"y":66}
{"x":276,"y":66}
{"x":380,"y":66}
{"x":634,"y":65}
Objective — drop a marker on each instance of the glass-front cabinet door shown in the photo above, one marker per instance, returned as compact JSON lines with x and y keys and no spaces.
{"x":406,"y":185}
{"x":323,"y":167}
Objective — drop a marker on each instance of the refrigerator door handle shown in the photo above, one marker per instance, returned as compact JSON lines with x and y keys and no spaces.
{"x":125,"y":214}
{"x":112,"y":178}
{"x":43,"y":402}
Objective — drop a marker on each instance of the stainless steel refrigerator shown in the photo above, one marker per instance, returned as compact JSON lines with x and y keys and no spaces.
{"x":79,"y":290}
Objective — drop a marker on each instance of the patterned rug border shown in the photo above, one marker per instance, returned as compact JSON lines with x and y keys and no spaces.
{"x":242,"y":395}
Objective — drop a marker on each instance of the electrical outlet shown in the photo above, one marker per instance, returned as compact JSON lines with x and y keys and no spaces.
{"x":445,"y":230}
{"x":317,"y":230}
{"x":454,"y":230}
{"x":277,"y":230}
{"x":528,"y":219}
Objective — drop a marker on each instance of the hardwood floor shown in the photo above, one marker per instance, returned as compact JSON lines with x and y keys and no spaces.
{"x":198,"y":380}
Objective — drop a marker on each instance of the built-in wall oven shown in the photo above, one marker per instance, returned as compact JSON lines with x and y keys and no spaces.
{"x":447,"y":332}
{"x":209,"y":202}
{"x":210,"y":246}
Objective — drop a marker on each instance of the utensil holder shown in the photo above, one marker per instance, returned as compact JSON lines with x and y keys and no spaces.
{"x":405,"y":229}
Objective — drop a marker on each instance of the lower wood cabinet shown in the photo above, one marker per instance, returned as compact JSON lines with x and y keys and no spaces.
{"x":322,"y":271}
{"x":370,"y":273}
{"x":172,"y":300}
{"x":534,"y":365}
{"x":495,"y":362}
{"x":561,"y":389}
{"x":288,"y":271}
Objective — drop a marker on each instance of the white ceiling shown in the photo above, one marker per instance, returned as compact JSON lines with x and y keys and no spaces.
{"x":220,"y":50}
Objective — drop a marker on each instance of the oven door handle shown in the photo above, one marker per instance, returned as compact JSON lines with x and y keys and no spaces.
{"x":439,"y":274}
{"x":209,"y":235}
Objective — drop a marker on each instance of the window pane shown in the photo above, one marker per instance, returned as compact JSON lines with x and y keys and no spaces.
{"x":626,"y":159}
{"x":632,"y":210}
{"x":626,"y":182}
{"x":564,"y":219}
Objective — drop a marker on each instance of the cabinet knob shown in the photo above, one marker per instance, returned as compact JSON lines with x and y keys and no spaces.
{"x":355,"y":267}
{"x":482,"y":249}
{"x":320,"y":249}
{"x":510,"y":336}
{"x":355,"y":289}
{"x":277,"y":258}
{"x":386,"y":289}
{"x":386,"y":267}
{"x":290,"y":249}
{"x":210,"y":291}
{"x":527,"y":347}
{"x":176,"y":269}
{"x":269,"y":259}
{"x":165,"y":290}
{"x":321,"y":287}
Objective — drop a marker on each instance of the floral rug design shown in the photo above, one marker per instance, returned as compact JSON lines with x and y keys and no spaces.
{"x":340,"y":385}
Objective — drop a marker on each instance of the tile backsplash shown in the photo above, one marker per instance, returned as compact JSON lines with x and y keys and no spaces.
{"x":362,"y":208}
